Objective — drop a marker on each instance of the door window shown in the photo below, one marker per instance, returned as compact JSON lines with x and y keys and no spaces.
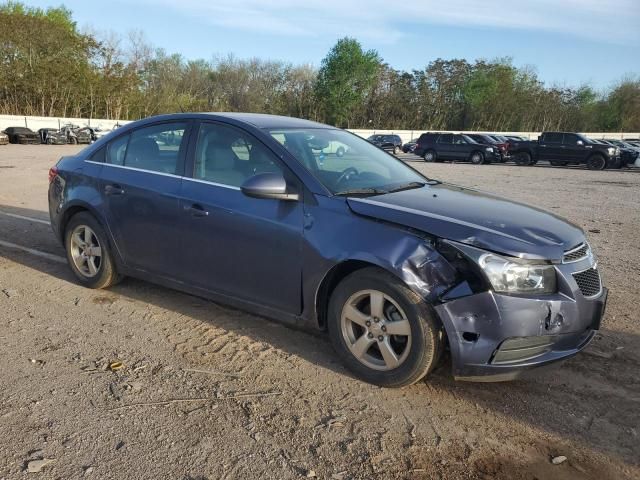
{"x":552,"y":138}
{"x":570,"y":139}
{"x":229,"y":156}
{"x":446,"y":138}
{"x":156,"y":148}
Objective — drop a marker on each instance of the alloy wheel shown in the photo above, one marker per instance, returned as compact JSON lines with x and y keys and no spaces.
{"x":376,"y":330}
{"x":86,"y":251}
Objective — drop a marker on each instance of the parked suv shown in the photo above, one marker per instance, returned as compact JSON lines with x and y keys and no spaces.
{"x":247,"y":210}
{"x":501,"y":143}
{"x":565,"y":148}
{"x":390,"y":143}
{"x":438,"y":147}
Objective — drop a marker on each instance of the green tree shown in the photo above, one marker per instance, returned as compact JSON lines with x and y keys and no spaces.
{"x":346,"y":77}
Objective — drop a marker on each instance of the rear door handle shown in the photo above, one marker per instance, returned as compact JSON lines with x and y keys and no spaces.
{"x":114,"y":189}
{"x":196,"y":210}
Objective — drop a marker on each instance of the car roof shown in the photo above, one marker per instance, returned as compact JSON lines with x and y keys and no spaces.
{"x":258,"y":120}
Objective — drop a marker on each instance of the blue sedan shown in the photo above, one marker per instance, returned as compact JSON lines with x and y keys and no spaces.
{"x":261,"y":212}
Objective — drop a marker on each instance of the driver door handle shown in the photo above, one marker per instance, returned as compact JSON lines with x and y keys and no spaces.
{"x":196,"y":210}
{"x":113,"y":189}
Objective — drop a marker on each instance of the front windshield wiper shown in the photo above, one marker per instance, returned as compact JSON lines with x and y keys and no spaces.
{"x":368,"y":191}
{"x":406,"y":186}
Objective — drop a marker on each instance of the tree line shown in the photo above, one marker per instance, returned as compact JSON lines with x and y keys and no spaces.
{"x":48,"y":67}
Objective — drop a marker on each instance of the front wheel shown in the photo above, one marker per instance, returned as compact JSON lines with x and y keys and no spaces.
{"x":430,"y":156}
{"x":383,"y":332}
{"x":596,"y":162}
{"x":523,"y":159}
{"x":477,"y":158}
{"x":340,"y":152}
{"x":88,"y":252}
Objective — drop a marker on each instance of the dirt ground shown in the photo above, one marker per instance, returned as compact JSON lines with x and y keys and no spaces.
{"x":209,"y":392}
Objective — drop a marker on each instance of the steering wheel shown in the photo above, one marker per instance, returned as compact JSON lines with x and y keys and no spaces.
{"x":347,"y":172}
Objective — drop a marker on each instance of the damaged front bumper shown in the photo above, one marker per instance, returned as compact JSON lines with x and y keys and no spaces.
{"x":498,"y":337}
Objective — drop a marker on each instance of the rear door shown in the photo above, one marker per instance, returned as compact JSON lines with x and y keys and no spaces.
{"x":140,"y":183}
{"x":245,"y":247}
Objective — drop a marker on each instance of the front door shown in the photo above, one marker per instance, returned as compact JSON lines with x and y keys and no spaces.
{"x":140,"y":182}
{"x":233,"y":244}
{"x":551,"y":147}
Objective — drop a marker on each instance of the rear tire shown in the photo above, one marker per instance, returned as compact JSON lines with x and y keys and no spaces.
{"x":430,"y":156}
{"x":596,"y":162}
{"x":88,"y":252}
{"x":340,"y":151}
{"x":372,"y":352}
{"x":396,"y":150}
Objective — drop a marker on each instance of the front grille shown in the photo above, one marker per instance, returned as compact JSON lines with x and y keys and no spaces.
{"x":577,"y":253}
{"x":588,"y":282}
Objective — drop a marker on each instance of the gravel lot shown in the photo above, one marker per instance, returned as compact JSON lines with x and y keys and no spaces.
{"x":209,"y":392}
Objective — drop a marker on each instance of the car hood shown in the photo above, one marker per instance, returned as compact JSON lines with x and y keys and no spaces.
{"x":475,"y":218}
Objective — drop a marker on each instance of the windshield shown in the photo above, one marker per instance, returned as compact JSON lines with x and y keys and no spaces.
{"x":345,"y":163}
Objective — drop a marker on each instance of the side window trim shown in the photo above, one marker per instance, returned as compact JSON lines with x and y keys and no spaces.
{"x":182,"y":152}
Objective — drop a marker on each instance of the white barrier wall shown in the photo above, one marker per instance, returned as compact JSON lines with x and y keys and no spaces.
{"x":407,"y":135}
{"x":35,"y":123}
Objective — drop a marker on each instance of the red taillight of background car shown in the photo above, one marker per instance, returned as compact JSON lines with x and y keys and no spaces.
{"x":53,"y":173}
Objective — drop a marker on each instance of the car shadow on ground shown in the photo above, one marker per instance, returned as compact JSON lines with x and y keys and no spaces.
{"x":593,"y":398}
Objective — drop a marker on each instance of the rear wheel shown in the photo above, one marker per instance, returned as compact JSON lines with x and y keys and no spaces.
{"x":396,"y":150}
{"x":430,"y":156}
{"x":88,"y":252}
{"x":383,"y":332}
{"x":477,"y":158}
{"x":340,"y":151}
{"x":596,"y":162}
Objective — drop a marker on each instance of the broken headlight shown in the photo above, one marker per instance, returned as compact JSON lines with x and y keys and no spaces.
{"x":511,"y":277}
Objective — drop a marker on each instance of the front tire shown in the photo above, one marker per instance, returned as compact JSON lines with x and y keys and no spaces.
{"x":340,"y":152}
{"x":477,"y":158}
{"x":383,"y":332}
{"x":596,"y":162}
{"x":430,"y":156}
{"x":88,"y":252}
{"x":523,"y":159}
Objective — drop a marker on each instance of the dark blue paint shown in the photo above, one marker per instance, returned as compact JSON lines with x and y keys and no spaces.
{"x":273,"y":257}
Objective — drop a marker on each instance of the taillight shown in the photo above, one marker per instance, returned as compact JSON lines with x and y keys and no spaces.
{"x":53,"y":173}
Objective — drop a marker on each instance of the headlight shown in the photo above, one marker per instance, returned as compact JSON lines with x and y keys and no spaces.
{"x":489,"y":149}
{"x":613,"y":150}
{"x":510,"y":277}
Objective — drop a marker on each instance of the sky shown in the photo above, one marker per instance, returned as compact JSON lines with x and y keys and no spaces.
{"x":569,"y":42}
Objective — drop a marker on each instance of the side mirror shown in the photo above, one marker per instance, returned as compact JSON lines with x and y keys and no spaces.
{"x":580,"y":142}
{"x":268,"y":185}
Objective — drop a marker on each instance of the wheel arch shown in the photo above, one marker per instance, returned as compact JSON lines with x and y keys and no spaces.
{"x":423,"y":270}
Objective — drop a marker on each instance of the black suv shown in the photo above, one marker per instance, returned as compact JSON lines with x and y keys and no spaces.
{"x":438,"y":147}
{"x":390,"y":143}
